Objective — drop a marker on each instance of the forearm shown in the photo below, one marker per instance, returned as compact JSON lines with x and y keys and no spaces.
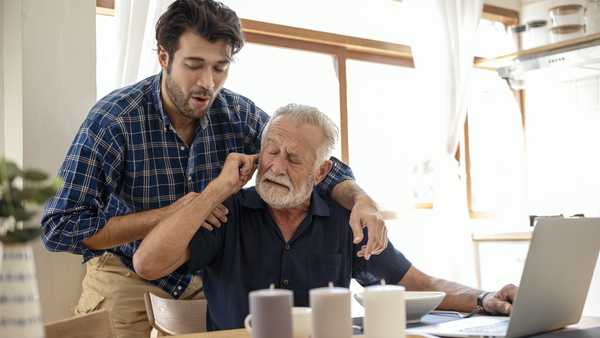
{"x":348,"y":193}
{"x":458,"y":297}
{"x":165,"y":248}
{"x":124,"y":229}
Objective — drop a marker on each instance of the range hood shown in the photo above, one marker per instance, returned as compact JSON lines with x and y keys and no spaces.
{"x":563,"y":61}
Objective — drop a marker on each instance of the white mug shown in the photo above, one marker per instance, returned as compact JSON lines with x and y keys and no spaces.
{"x":301,"y":322}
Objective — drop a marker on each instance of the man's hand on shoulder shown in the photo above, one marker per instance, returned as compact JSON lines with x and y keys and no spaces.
{"x":364,"y":213}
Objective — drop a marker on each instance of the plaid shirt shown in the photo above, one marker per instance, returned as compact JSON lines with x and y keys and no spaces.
{"x":126,"y":158}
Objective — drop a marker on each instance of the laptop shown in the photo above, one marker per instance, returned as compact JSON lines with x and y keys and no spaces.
{"x":554,"y":285}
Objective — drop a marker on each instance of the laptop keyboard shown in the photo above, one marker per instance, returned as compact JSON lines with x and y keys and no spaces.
{"x":498,"y":328}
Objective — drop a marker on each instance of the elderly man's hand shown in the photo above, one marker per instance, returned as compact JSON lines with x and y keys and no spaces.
{"x":365,"y":213}
{"x":500,"y":303}
{"x":237,"y":171}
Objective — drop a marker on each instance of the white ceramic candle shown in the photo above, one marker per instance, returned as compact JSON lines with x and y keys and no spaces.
{"x":331,"y":316}
{"x":385,"y":312}
{"x":271,"y":313}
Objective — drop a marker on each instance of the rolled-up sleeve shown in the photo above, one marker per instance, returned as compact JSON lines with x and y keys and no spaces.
{"x":83,"y":205}
{"x":339,"y":172}
{"x":390,"y":265}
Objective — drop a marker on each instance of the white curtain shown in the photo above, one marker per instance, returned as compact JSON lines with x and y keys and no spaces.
{"x":443,"y":51}
{"x":136,"y":21}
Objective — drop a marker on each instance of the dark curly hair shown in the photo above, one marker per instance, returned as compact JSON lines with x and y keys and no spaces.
{"x":208,"y":18}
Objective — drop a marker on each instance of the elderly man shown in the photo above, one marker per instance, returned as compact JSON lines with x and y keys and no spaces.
{"x":283,"y":232}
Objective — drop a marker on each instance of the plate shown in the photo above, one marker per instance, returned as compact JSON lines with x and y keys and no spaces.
{"x":418,"y":303}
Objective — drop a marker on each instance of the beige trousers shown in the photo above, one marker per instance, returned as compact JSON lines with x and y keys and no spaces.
{"x":110,"y":285}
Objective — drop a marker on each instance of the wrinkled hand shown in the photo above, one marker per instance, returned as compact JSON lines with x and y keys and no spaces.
{"x":216,"y":218}
{"x":237,"y":171}
{"x":365,"y":214}
{"x":500,"y":303}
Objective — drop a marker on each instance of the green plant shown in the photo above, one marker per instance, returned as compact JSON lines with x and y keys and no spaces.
{"x":22,"y":192}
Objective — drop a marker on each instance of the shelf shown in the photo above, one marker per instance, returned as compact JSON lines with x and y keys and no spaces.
{"x":501,"y":237}
{"x":505,"y":60}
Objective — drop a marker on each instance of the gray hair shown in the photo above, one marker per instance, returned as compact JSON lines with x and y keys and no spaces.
{"x":312,"y":116}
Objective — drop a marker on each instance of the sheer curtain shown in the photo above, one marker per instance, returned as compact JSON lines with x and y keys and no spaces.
{"x":443,"y":50}
{"x":136,"y":20}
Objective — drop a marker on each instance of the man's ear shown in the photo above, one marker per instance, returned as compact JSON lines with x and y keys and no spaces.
{"x":322,"y":171}
{"x":163,"y":58}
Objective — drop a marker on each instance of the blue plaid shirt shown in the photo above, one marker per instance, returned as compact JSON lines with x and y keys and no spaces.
{"x":127,"y":157}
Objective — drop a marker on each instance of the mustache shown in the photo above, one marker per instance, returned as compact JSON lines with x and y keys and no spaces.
{"x":283,"y":180}
{"x":204,"y":92}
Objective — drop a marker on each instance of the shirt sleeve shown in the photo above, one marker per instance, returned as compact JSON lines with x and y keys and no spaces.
{"x":206,"y":245}
{"x":90,"y":173}
{"x":390,"y":265}
{"x":339,"y":172}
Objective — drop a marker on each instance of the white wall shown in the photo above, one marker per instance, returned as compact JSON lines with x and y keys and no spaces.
{"x":13,"y":80}
{"x":2,"y":50}
{"x":49,"y":85}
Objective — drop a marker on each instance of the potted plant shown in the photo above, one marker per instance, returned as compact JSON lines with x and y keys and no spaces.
{"x":22,"y":192}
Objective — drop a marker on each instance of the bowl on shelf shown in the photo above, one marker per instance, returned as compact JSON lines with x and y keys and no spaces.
{"x":418,"y":303}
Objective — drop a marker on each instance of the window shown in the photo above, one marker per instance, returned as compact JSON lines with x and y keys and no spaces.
{"x":273,"y":77}
{"x":389,"y":147}
{"x":563,"y":119}
{"x":496,"y":148}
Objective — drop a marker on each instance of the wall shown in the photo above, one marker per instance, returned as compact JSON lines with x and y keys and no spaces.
{"x":12,"y":80}
{"x":2,"y":50}
{"x":49,"y":85}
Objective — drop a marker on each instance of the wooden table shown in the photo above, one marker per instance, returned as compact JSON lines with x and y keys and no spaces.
{"x":242,"y":333}
{"x":586,"y":322}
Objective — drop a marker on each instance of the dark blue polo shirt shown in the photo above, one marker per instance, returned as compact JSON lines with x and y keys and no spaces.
{"x":249,"y":253}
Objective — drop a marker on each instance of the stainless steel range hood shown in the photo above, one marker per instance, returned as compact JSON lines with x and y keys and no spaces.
{"x":561,"y":61}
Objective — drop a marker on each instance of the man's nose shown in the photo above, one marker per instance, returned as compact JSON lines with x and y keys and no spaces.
{"x":278,"y":166}
{"x":206,"y":80}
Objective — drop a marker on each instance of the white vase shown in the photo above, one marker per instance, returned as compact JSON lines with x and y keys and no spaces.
{"x":20,"y":314}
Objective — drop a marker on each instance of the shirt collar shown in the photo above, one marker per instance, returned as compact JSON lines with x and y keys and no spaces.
{"x":251,"y":199}
{"x":158,"y":100}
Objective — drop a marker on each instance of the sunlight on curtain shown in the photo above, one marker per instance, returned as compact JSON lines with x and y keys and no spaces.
{"x":443,"y":55}
{"x":497,"y":151}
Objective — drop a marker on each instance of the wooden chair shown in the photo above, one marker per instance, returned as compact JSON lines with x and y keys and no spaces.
{"x":92,"y":325}
{"x":174,"y":317}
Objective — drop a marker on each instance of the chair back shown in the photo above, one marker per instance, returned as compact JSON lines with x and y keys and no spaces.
{"x":96,"y":324}
{"x":175,"y":317}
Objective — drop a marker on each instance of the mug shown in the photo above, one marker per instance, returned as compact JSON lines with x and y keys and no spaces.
{"x":301,"y":322}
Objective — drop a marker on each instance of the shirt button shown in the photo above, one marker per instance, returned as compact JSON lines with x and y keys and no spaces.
{"x":285,"y":282}
{"x":287,"y":246}
{"x":175,"y":293}
{"x":190,"y":178}
{"x":182,"y":148}
{"x":179,"y":287}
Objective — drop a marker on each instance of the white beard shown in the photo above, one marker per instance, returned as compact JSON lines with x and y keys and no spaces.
{"x":277,"y":197}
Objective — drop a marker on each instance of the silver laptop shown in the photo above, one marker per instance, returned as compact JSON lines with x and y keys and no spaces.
{"x":554,"y":285}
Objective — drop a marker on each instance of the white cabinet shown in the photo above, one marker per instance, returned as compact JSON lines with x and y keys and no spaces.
{"x":501,"y":263}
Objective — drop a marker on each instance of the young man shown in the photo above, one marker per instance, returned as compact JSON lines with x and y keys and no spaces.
{"x":283,"y":232}
{"x":147,"y":150}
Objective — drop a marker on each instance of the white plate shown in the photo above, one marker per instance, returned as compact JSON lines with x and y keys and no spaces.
{"x":418,"y":303}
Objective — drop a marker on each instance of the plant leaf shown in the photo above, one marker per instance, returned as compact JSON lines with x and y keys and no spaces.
{"x":34,"y":175}
{"x":20,"y":235}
